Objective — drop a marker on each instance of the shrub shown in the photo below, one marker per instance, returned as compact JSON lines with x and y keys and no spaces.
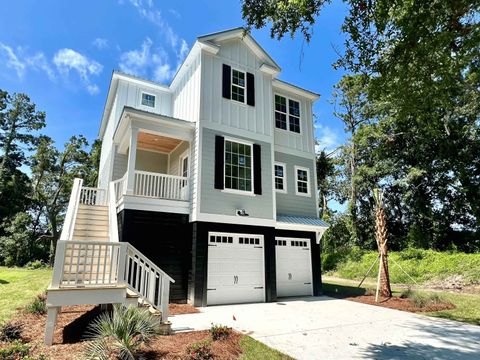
{"x":200,"y":350}
{"x":36,"y":264}
{"x":423,"y":300}
{"x":412,"y":254}
{"x":220,"y":332}
{"x":11,"y":331}
{"x":15,"y":350}
{"x":119,"y":334}
{"x":38,"y":306}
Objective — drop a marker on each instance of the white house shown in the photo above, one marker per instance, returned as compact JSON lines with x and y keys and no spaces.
{"x":206,"y":191}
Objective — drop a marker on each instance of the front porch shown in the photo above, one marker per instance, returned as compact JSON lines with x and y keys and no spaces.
{"x":155,"y":154}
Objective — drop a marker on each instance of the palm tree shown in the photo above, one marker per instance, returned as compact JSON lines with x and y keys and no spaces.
{"x":383,"y":285}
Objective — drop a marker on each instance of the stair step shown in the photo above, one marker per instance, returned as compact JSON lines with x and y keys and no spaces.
{"x":91,"y":238}
{"x":94,"y":221}
{"x":90,"y":233}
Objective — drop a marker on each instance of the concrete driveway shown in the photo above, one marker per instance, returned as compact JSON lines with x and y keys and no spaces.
{"x":327,"y":328}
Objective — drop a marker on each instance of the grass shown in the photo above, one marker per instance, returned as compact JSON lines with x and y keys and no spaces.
{"x":422,"y":265}
{"x":253,"y":350}
{"x":467,"y":306}
{"x":19,"y":287}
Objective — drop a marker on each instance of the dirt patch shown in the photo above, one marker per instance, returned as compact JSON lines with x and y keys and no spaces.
{"x":70,"y":334}
{"x":396,"y":303}
{"x":179,"y":309}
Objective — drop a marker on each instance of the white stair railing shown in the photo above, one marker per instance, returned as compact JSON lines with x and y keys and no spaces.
{"x":94,"y":264}
{"x":93,"y":196}
{"x":72,"y":209}
{"x":163,"y":186}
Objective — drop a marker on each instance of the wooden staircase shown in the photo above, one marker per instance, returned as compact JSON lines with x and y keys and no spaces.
{"x":93,"y":267}
{"x":91,"y":223}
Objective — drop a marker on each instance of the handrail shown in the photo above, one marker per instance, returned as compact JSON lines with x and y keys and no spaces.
{"x":93,"y":196}
{"x":99,"y":263}
{"x":72,"y":209}
{"x":162,"y":175}
{"x":112,"y":213}
{"x":120,"y":186}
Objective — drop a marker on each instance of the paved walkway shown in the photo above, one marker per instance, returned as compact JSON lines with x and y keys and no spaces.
{"x":327,"y":328}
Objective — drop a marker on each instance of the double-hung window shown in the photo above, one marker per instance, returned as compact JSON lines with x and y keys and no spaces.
{"x":287,"y":117}
{"x":280,"y":178}
{"x":302,"y":181}
{"x":238,"y":85}
{"x":148,"y":100}
{"x":238,"y":166}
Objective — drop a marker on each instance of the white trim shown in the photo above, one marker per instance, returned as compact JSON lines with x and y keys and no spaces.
{"x":151,"y":204}
{"x":294,"y":152}
{"x":252,"y":175}
{"x":287,"y":114}
{"x":282,"y":85}
{"x":284,"y":166}
{"x":182,"y":156}
{"x":239,"y":86}
{"x":308,"y":193}
{"x":233,"y":219}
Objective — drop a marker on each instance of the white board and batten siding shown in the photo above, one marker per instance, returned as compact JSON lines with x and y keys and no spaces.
{"x":294,"y":267}
{"x":228,"y":115}
{"x":236,"y":270}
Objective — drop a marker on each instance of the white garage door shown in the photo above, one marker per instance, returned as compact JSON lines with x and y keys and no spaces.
{"x":236,"y":272}
{"x":294,"y":267}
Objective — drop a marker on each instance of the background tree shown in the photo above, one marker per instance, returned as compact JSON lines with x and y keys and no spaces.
{"x":53,"y":172}
{"x":325,"y":177}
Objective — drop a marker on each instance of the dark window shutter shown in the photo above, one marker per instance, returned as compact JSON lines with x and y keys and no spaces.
{"x":257,"y":170}
{"x":227,"y":82}
{"x":219,"y":164}
{"x":250,"y":89}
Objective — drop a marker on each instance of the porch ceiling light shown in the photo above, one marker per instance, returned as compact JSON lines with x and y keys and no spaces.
{"x":242,"y":212}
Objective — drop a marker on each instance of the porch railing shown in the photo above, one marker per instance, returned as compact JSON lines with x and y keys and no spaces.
{"x":99,"y":264}
{"x":161,"y":186}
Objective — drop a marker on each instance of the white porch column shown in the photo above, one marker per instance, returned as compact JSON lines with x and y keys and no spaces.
{"x":132,"y":155}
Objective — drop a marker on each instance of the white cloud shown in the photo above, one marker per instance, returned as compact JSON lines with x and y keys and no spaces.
{"x":327,"y":138}
{"x":67,"y":60}
{"x":145,"y":61}
{"x":11,"y":60}
{"x":174,"y":13}
{"x":100,"y":43}
{"x":139,"y":61}
{"x":20,"y":62}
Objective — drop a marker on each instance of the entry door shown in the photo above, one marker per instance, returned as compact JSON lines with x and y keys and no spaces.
{"x":236,"y":272}
{"x":184,"y":164}
{"x":294,"y":267}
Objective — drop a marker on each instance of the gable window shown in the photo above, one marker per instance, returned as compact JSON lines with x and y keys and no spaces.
{"x":302,"y":181}
{"x":148,"y":100}
{"x":238,"y":166}
{"x":280,"y":178}
{"x":287,"y":118}
{"x":238,"y":85}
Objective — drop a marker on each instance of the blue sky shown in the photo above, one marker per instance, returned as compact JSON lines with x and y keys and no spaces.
{"x":62,"y":53}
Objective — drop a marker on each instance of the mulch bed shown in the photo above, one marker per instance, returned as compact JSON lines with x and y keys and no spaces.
{"x":180,"y":309}
{"x":69,"y":338}
{"x":394,"y":302}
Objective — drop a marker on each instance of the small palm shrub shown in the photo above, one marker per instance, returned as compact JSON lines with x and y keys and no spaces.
{"x":219,"y":332}
{"x":11,"y":331}
{"x":200,"y":350}
{"x":120,"y":334}
{"x":38,"y":306}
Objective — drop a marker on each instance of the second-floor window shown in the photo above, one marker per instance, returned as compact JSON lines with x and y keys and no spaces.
{"x":238,"y":166}
{"x":287,"y":114}
{"x":238,"y":85}
{"x":148,"y":100}
{"x":302,"y":181}
{"x":280,"y":178}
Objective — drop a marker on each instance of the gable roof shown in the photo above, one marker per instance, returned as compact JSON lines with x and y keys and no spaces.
{"x":242,"y":34}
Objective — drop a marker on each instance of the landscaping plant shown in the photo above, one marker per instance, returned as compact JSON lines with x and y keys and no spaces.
{"x":38,"y":306}
{"x":200,"y":350}
{"x":10,"y":331}
{"x":120,"y":333}
{"x":219,"y":332}
{"x":381,"y":238}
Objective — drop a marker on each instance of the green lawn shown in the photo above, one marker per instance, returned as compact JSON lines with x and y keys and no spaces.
{"x":467,"y":305}
{"x":18,"y":287}
{"x":253,"y":350}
